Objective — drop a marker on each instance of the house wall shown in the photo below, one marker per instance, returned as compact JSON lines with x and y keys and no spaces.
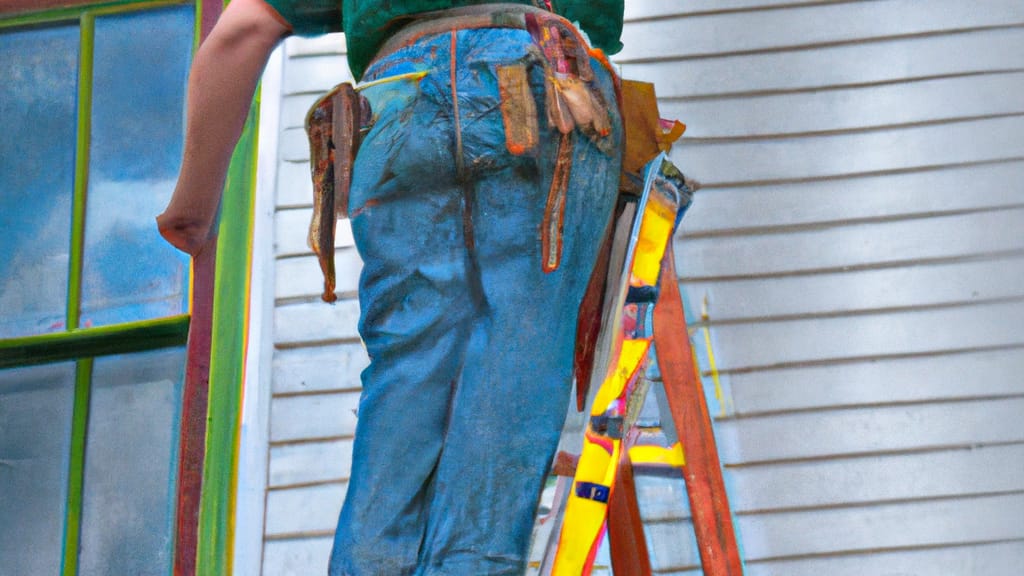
{"x":856,"y":250}
{"x":317,"y":356}
{"x":857,"y":245}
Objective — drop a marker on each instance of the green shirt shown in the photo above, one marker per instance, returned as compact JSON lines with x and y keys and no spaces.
{"x":368,"y":23}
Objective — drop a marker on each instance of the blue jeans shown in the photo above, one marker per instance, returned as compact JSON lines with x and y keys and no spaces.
{"x":471,"y":342}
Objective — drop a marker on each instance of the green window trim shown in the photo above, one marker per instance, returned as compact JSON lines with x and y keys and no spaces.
{"x":214,"y":554}
{"x":87,"y":28}
{"x":229,"y":323}
{"x":91,"y":342}
{"x":29,"y":16}
{"x":76,"y":477}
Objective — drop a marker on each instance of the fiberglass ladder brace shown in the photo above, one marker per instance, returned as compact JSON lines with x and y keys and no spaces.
{"x":705,"y":486}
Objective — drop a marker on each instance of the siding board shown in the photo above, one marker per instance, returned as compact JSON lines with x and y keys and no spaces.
{"x":913,"y":524}
{"x":316,"y":416}
{"x":295,"y":107}
{"x":319,"y":369}
{"x":990,"y":325}
{"x":662,"y":498}
{"x":870,"y":430}
{"x":296,"y":557}
{"x":299,"y":47}
{"x":860,"y":291}
{"x":307,"y":510}
{"x":851,"y":108}
{"x":951,"y":376}
{"x":891,"y":196}
{"x":990,"y":559}
{"x":294,"y":185}
{"x":847,"y":482}
{"x":817,"y":488}
{"x":810,"y":26}
{"x":294,"y":147}
{"x":310,"y":463}
{"x":310,"y":322}
{"x":836,"y":248}
{"x":785,"y":159}
{"x":638,"y":9}
{"x":300,"y":278}
{"x":311,"y":75}
{"x":672,"y":546}
{"x":878,"y":479}
{"x":897,"y":60}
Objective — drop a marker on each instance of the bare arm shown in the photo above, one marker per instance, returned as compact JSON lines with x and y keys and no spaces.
{"x":221,"y":85}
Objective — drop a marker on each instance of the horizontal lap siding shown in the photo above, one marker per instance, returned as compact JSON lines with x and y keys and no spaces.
{"x":858,"y":256}
{"x":857,"y":199}
{"x":317,"y":353}
{"x":856,"y":248}
{"x":886,"y":61}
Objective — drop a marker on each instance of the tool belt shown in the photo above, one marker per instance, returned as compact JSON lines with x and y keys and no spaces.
{"x":572,"y":101}
{"x":573,"y":105}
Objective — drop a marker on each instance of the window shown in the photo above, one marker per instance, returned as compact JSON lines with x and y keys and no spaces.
{"x":93,"y":304}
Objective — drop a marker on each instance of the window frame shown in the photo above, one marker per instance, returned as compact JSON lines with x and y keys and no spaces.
{"x":215,"y":328}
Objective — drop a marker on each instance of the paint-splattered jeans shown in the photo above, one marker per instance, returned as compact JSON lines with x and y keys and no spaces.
{"x":471,"y":342}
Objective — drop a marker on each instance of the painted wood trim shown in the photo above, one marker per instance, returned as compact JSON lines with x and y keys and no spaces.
{"x":254,"y":456}
{"x":709,"y":503}
{"x":16,"y":6}
{"x":208,"y":12}
{"x":229,"y":341}
{"x":90,"y":342}
{"x":76,"y":467}
{"x":192,"y":435}
{"x":83,"y":132}
{"x":26,"y":12}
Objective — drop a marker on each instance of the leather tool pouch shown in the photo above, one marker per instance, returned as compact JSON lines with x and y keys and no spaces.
{"x":572,"y":97}
{"x":645,"y":133}
{"x":573,"y":104}
{"x":333,"y":125}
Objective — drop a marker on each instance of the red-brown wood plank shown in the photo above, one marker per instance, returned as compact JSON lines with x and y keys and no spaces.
{"x":626,"y":540}
{"x":709,"y":504}
{"x":192,"y":447}
{"x":197,"y":384}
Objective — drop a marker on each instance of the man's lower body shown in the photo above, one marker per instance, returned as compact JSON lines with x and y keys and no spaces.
{"x":471,"y":342}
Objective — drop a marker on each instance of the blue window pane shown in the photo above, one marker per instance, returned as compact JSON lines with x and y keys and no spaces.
{"x":38,"y":79}
{"x":130,"y":464}
{"x":139,"y":79}
{"x":36,"y":405}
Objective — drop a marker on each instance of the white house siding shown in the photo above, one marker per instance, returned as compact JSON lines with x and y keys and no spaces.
{"x":857,"y":246}
{"x":317,"y":355}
